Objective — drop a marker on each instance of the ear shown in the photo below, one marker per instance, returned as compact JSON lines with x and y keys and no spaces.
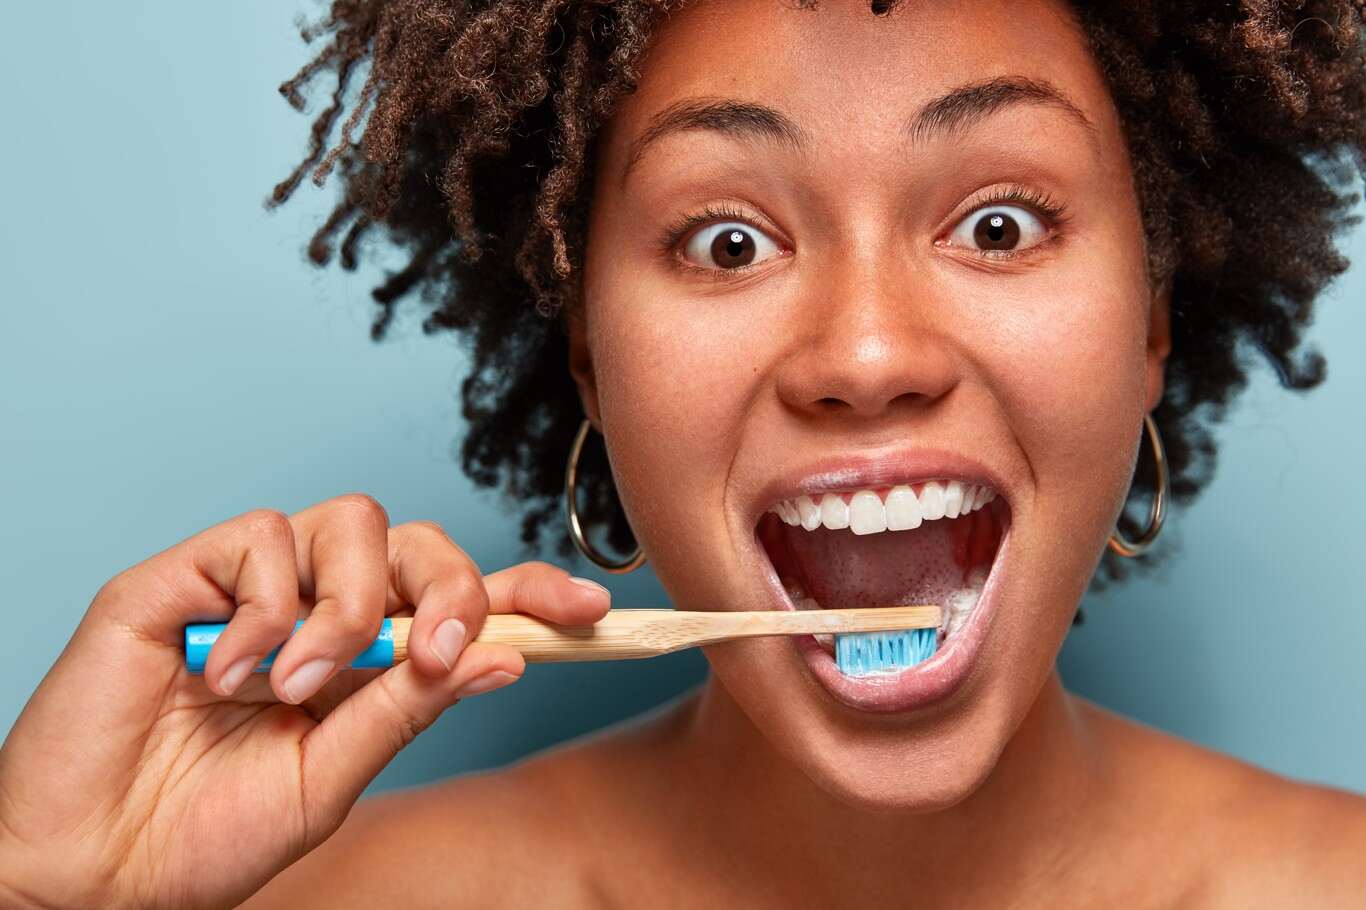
{"x":581,"y":366}
{"x":1159,"y":341}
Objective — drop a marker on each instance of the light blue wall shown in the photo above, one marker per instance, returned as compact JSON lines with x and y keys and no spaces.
{"x":167,"y":360}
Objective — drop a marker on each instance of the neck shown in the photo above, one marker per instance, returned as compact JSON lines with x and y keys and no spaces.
{"x":1019,"y":826}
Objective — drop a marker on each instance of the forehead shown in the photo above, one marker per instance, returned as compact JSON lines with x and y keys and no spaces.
{"x":851,"y":78}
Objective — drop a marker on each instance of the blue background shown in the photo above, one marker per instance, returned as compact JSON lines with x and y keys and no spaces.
{"x":168,"y":360}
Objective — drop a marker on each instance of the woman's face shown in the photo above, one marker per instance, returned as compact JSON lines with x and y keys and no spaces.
{"x":831,"y":255}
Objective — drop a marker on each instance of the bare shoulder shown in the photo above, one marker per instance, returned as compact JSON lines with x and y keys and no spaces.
{"x":1293,"y":843}
{"x":530,"y":834}
{"x":1243,"y":836}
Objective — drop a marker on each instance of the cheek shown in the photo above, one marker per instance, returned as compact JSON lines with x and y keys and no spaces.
{"x":673,"y":381}
{"x":1069,"y":365}
{"x":1082,"y":363}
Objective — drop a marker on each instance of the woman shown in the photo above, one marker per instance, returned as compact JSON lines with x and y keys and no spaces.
{"x":793,"y":257}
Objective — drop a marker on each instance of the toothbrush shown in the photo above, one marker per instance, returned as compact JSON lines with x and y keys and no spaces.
{"x":867,"y":653}
{"x":623,"y":634}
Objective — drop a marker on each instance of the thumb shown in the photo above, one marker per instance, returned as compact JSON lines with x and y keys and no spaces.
{"x":362,"y":734}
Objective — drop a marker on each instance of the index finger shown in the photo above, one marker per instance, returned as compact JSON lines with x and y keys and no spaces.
{"x":241,"y":570}
{"x":548,"y":592}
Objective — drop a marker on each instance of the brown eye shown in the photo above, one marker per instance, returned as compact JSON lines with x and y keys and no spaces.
{"x":996,"y":231}
{"x":727,"y":246}
{"x":1000,"y":228}
{"x":732,"y":248}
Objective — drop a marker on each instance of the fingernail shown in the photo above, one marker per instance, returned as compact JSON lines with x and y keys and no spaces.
{"x":447,"y":641}
{"x":306,"y":680}
{"x":494,"y":679}
{"x":237,"y":673}
{"x":590,"y":584}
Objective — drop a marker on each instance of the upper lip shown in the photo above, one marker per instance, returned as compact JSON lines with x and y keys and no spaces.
{"x":865,"y":470}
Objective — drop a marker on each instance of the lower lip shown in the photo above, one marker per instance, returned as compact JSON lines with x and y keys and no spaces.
{"x":926,"y":683}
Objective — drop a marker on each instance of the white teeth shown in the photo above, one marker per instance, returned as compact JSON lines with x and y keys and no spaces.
{"x":834,"y":512}
{"x":932,"y":501}
{"x":809,"y":512}
{"x":953,"y":499}
{"x":866,"y":513}
{"x":984,"y":496}
{"x":903,"y":509}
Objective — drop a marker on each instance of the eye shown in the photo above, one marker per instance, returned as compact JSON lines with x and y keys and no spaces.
{"x":727,"y":246}
{"x":1000,"y":229}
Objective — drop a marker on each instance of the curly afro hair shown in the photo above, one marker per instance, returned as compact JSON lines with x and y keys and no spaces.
{"x":1245,"y":121}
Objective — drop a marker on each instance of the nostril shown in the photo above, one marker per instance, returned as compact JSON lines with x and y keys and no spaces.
{"x":836,"y":375}
{"x":873,"y":407}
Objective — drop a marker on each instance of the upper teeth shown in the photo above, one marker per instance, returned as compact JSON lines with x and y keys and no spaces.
{"x":865,"y":512}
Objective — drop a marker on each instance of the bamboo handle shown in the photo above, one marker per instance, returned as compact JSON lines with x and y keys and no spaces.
{"x":633,"y":634}
{"x":620,"y":635}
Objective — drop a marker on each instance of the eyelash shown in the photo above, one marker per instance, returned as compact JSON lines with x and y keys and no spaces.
{"x":674,"y":234}
{"x":1043,"y":204}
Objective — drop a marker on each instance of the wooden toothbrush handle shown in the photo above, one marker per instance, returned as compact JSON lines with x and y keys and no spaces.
{"x":629,"y":634}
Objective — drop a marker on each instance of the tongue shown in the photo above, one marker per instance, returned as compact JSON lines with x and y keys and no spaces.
{"x":924,"y":566}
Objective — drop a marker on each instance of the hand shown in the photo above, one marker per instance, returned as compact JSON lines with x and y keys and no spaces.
{"x":126,"y":780}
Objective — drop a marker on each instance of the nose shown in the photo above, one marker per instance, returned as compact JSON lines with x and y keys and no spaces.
{"x":868,"y":343}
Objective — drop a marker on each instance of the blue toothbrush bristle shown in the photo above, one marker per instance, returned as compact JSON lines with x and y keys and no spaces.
{"x":864,"y":653}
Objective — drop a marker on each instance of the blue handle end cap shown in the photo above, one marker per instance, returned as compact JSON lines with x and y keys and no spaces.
{"x":199,"y":639}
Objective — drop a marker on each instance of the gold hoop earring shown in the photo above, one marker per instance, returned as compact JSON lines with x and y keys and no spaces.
{"x":1157,"y":514}
{"x":571,"y":508}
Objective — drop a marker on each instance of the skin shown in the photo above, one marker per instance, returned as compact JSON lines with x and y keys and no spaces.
{"x":869,"y":330}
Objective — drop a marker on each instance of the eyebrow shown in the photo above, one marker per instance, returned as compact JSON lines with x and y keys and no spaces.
{"x":954,"y":111}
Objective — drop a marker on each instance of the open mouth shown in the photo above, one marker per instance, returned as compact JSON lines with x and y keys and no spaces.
{"x":931,"y":542}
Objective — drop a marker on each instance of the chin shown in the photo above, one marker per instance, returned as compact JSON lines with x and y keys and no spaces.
{"x":919,"y":761}
{"x":901,"y":777}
